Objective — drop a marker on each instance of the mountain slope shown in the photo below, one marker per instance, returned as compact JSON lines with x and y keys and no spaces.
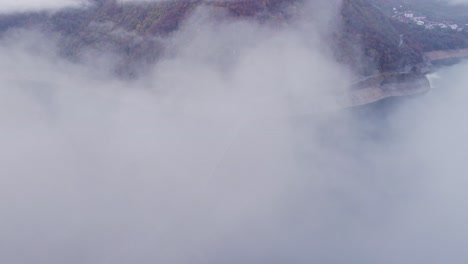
{"x":366,"y":28}
{"x":367,"y":39}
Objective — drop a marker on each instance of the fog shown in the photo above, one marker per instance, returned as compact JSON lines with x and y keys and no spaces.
{"x":7,"y":6}
{"x":230,"y":149}
{"x":458,"y":2}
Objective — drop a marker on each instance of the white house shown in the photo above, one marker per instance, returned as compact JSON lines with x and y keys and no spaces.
{"x":409,"y":15}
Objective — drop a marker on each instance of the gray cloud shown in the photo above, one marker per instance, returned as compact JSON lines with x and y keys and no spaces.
{"x":7,"y":6}
{"x":457,"y":2}
{"x":229,"y":151}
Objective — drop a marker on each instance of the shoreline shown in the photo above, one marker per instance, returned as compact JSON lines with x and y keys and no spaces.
{"x":385,"y":86}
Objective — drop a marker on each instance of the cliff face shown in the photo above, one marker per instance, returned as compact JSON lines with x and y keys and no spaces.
{"x":366,"y":38}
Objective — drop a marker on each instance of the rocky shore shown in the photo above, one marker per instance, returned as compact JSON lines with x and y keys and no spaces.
{"x":383,"y":86}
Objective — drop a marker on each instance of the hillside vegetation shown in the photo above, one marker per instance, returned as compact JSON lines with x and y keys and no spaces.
{"x":367,"y":27}
{"x":366,"y":38}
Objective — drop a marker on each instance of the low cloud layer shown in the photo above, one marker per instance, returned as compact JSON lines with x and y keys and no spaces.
{"x":229,"y":151}
{"x":7,"y":6}
{"x":457,"y":2}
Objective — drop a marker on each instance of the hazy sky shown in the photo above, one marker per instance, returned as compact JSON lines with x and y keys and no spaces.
{"x":464,"y":2}
{"x":33,"y":5}
{"x":227,"y":151}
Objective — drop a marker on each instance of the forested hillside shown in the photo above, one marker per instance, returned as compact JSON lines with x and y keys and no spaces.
{"x":429,"y":36}
{"x":366,"y":38}
{"x":368,"y":30}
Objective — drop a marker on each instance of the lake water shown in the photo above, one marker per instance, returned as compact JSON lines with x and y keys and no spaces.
{"x":392,"y":178}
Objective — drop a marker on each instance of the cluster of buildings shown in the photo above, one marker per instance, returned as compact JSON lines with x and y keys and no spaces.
{"x":410,"y":17}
